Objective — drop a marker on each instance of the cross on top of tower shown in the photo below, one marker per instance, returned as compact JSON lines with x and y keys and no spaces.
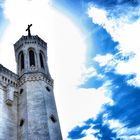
{"x":28,"y":29}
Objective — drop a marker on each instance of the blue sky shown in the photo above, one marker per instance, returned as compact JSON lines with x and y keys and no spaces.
{"x":124,"y":88}
{"x":98,"y":41}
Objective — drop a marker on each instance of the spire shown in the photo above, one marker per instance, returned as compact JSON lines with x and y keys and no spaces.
{"x":28,"y":29}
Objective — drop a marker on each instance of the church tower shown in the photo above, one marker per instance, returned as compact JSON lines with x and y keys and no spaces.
{"x":37,"y":117}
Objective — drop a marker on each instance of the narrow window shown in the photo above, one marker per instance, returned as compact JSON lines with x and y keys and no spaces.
{"x":21,"y":122}
{"x":5,"y":79}
{"x":53,"y":119}
{"x":32,"y":58}
{"x":41,"y":60}
{"x":21,"y":91}
{"x":48,"y":89}
{"x":21,"y":60}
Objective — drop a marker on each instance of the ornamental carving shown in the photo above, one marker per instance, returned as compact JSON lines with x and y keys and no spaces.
{"x":35,"y":77}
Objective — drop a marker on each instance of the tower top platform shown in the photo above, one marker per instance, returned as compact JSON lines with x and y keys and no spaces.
{"x":34,"y":39}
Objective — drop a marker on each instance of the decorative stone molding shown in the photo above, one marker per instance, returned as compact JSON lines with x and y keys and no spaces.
{"x":34,"y":77}
{"x":32,"y":68}
{"x":7,"y":81}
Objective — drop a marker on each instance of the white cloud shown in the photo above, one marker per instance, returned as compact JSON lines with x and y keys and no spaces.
{"x":90,"y":134}
{"x":89,"y":137}
{"x":115,"y":124}
{"x":125,"y":31}
{"x":134,"y":81}
{"x":81,"y":104}
{"x":103,"y":60}
{"x":122,"y":131}
{"x":66,"y":57}
{"x":88,"y":73}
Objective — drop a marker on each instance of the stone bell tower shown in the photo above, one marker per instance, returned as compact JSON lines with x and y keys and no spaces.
{"x":37,"y":113}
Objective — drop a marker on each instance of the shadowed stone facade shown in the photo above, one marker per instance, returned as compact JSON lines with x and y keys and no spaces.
{"x":27,"y":104}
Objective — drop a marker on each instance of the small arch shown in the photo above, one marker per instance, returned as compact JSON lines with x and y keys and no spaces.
{"x":41,"y":59}
{"x":21,"y":60}
{"x":32,"y":58}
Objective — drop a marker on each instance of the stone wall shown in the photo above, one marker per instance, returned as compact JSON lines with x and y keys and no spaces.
{"x":8,"y":114}
{"x":37,"y":108}
{"x":27,"y":104}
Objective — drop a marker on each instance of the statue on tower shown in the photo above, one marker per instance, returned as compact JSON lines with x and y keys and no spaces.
{"x":28,"y":29}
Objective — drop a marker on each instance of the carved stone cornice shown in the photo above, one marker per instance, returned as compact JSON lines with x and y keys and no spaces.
{"x":34,"y":77}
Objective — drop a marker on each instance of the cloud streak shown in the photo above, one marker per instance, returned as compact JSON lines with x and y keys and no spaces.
{"x":122,"y":23}
{"x":120,"y":119}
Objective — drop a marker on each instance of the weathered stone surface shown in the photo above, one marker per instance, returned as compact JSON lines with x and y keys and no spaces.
{"x":27,"y":104}
{"x":8,"y":117}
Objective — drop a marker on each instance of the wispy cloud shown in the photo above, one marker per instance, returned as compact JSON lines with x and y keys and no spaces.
{"x":122,"y":23}
{"x":119,"y":120}
{"x":103,"y":60}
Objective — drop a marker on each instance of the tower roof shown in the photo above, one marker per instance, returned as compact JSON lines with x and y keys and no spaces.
{"x":29,"y":40}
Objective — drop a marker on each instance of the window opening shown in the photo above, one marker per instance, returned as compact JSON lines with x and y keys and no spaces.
{"x":5,"y":79}
{"x":53,"y":119}
{"x":22,"y":61}
{"x":21,"y":122}
{"x":32,"y":58}
{"x":48,"y":89}
{"x":41,"y":60}
{"x":21,"y":91}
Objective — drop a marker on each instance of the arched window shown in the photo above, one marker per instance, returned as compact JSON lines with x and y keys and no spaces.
{"x":21,"y":60}
{"x":41,"y":60}
{"x":32,"y":58}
